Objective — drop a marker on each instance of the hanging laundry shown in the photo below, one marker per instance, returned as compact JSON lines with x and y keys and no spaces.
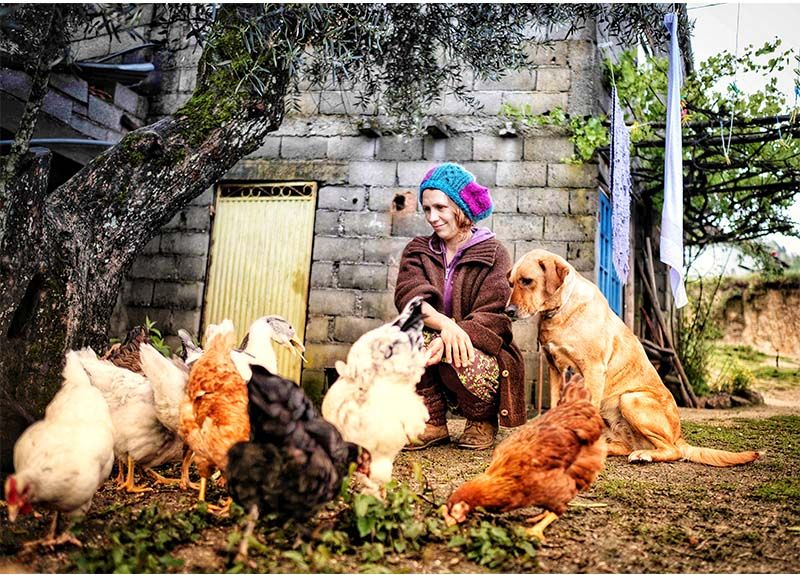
{"x":672,"y":214}
{"x":620,"y":189}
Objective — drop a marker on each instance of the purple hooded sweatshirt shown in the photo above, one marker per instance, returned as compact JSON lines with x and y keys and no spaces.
{"x":478,"y":235}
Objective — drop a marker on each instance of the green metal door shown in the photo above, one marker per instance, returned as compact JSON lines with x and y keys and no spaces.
{"x":260,"y":259}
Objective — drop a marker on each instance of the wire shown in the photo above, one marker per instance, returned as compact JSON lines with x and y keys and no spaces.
{"x":706,"y":6}
{"x":727,"y":148}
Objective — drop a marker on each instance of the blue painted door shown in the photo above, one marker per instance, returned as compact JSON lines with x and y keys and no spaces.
{"x":607,"y":278}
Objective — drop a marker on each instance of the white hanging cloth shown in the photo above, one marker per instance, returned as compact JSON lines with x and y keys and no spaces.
{"x":672,"y":214}
{"x":620,"y":189}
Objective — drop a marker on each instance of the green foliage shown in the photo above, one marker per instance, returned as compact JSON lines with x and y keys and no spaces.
{"x":142,"y":543}
{"x":737,"y":189}
{"x":374,"y":530}
{"x":735,"y":192}
{"x":156,"y":339}
{"x":698,"y":332}
{"x":587,"y":133}
{"x":399,"y":523}
{"x":734,"y":379}
{"x":494,"y":546}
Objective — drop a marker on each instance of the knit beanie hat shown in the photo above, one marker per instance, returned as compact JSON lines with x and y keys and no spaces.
{"x":461,"y":187}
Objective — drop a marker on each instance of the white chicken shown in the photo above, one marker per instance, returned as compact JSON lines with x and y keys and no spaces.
{"x":169,"y":378}
{"x":61,"y":460}
{"x":139,"y":435}
{"x":374,"y":402}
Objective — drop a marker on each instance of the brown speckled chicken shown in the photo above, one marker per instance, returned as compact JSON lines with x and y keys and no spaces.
{"x":126,"y":354}
{"x":544,"y":463}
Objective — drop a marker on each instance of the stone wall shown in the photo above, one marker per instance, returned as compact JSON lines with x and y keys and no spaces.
{"x":764,"y":315}
{"x":367,"y":203}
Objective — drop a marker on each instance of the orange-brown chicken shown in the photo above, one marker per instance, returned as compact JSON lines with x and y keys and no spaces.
{"x":545,"y":463}
{"x":213,"y":415}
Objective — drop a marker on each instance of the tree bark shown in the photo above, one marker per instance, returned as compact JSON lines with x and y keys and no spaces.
{"x":65,"y":255}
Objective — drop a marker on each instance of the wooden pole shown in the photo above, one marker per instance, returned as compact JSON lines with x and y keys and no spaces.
{"x":651,"y":284}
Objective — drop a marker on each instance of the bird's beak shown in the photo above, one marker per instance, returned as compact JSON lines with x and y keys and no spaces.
{"x":13,"y":511}
{"x":297,"y":347}
{"x":448,"y":519}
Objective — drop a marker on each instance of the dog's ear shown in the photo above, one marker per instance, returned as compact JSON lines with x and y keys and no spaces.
{"x":554,"y":271}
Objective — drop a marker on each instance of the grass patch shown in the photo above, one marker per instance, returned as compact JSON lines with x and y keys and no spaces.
{"x":778,"y":435}
{"x":785,"y":376}
{"x":627,"y":491}
{"x":780,"y":490}
{"x":743,"y":353}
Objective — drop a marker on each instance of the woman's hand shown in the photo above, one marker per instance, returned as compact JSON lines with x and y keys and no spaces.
{"x":457,"y":344}
{"x":435,"y":351}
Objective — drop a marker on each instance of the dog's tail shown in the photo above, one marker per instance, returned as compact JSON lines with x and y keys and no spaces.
{"x":715,"y":457}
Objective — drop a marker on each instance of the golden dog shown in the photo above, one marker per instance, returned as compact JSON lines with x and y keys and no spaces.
{"x":578,"y":329}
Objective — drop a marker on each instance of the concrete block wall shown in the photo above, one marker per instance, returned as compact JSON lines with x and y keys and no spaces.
{"x":167,"y":279}
{"x":367,"y":206}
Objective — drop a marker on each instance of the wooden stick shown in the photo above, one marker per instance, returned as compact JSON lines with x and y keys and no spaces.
{"x":667,"y":334}
{"x":684,"y":394}
{"x":654,"y":329}
{"x":540,"y":383}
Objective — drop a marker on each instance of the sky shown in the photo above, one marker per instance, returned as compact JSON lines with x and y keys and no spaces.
{"x":715,"y":30}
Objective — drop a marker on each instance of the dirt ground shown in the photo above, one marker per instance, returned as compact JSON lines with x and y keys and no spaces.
{"x":678,"y":517}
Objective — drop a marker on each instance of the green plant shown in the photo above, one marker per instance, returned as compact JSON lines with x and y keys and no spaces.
{"x":395,"y":524}
{"x":495,"y":546}
{"x":587,"y":133}
{"x":739,"y":380}
{"x":156,"y":339}
{"x":697,"y":334}
{"x":142,"y":543}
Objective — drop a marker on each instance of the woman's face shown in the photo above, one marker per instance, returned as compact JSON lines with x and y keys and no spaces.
{"x":440,"y":213}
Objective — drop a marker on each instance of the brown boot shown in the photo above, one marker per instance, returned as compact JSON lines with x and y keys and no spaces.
{"x":433,"y":435}
{"x":478,"y":435}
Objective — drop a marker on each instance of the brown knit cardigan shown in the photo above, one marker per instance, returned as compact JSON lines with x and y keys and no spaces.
{"x":480,"y":293}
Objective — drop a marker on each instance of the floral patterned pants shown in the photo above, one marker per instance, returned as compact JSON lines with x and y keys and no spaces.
{"x":470,"y":391}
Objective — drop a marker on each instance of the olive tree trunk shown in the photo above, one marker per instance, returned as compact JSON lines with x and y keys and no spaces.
{"x":64,"y":255}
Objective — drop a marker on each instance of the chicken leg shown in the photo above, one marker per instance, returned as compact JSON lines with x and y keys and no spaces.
{"x":130,"y":484}
{"x":537,"y":530}
{"x":50,"y":540}
{"x":185,"y":484}
{"x":252,"y":517}
{"x":219,"y":510}
{"x":120,"y":479}
{"x":158,"y":478}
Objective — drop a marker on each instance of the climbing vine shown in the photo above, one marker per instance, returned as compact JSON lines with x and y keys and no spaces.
{"x":741,"y":151}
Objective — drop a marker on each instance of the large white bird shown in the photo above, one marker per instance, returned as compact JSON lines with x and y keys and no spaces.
{"x":257,"y":345}
{"x":61,"y":460}
{"x":139,"y":435}
{"x":374,"y":402}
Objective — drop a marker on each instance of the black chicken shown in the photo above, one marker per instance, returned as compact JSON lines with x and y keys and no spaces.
{"x":294,"y":462}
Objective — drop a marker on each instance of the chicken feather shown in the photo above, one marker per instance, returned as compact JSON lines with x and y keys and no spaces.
{"x":545,"y":462}
{"x":61,"y":460}
{"x":374,"y":402}
{"x":138,"y":432}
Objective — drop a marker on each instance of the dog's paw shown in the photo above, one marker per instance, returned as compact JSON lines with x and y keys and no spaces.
{"x":640,"y":457}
